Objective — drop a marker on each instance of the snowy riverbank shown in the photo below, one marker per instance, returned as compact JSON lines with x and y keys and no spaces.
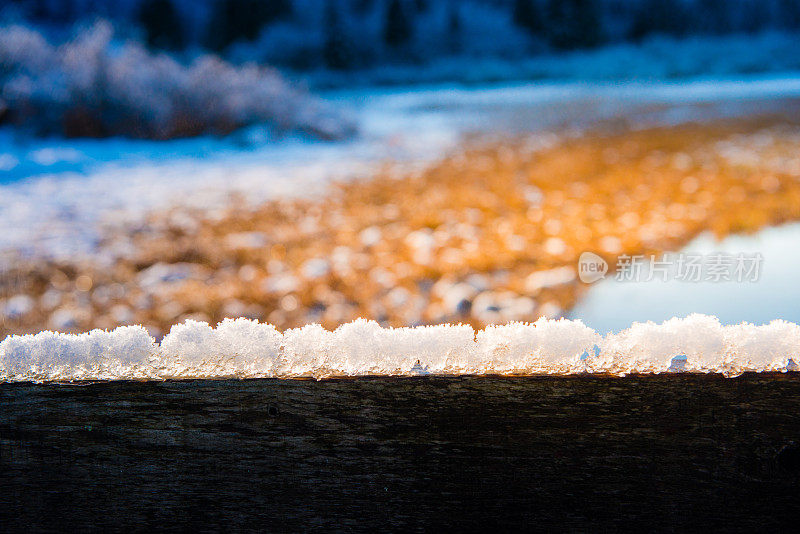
{"x":56,"y":195}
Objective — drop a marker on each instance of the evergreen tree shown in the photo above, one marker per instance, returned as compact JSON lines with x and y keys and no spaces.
{"x":60,"y":12}
{"x":454,"y":29}
{"x":362,"y":6}
{"x":789,"y":15}
{"x":755,"y":16}
{"x":161,"y":24}
{"x":397,"y":30}
{"x":242,"y":20}
{"x":40,"y":10}
{"x":526,"y":14}
{"x":5,"y":113}
{"x":712,"y":16}
{"x":573,"y":24}
{"x":657,"y":17}
{"x":337,"y":52}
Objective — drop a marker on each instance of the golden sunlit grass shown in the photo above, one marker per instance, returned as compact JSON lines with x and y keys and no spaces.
{"x":487,"y":235}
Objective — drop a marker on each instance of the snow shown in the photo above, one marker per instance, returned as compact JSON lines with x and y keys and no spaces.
{"x":238,"y":347}
{"x":656,"y":58}
{"x":648,"y":347}
{"x":364,"y":347}
{"x":756,"y":347}
{"x":124,"y":352}
{"x":546,"y":346}
{"x":61,"y":208}
{"x":244,"y":348}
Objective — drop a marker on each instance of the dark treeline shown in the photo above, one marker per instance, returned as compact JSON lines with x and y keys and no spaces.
{"x":342,"y":34}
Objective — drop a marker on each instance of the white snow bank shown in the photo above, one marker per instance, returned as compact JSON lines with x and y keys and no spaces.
{"x":238,"y":347}
{"x":545,"y":346}
{"x":247,"y":349}
{"x":773,"y":346}
{"x":364,"y":347}
{"x":650,"y":348}
{"x":126,"y":352}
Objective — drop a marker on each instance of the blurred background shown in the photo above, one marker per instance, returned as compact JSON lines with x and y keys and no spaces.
{"x":410,"y":161}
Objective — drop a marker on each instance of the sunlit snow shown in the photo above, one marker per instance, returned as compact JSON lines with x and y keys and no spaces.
{"x":247,"y":349}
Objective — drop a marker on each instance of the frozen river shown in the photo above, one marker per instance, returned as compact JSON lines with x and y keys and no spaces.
{"x":613,"y":305}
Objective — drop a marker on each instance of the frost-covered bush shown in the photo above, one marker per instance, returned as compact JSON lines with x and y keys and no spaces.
{"x":95,"y":86}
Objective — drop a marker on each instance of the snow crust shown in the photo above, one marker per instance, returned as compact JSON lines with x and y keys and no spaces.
{"x":243,"y":348}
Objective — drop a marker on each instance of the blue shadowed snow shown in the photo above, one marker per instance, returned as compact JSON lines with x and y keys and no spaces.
{"x":424,"y":114}
{"x":24,"y":157}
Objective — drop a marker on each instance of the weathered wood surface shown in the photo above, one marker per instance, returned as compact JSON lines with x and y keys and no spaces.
{"x":588,"y":453}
